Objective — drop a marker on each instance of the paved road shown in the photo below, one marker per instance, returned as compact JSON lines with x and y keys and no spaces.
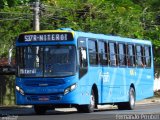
{"x":149,"y":111}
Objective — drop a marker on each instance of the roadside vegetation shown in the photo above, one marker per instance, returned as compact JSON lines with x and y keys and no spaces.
{"x":157,"y":94}
{"x":128,"y":18}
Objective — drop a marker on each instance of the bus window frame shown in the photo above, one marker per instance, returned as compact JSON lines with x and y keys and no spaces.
{"x":149,"y":50}
{"x":43,"y":76}
{"x":133,"y":55}
{"x":136,"y":56}
{"x":124,"y":55}
{"x":96,"y":52}
{"x":115,"y":53}
{"x":104,"y":53}
{"x":82,"y":70}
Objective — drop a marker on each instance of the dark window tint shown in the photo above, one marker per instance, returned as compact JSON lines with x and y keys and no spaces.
{"x":122,"y":54}
{"x":139,"y":56}
{"x":82,"y":52}
{"x":59,"y":61}
{"x":112,"y":54}
{"x":82,"y":57}
{"x":131,"y":55}
{"x":93,"y":54}
{"x":46,"y":61}
{"x":102,"y":48}
{"x":147,"y":54}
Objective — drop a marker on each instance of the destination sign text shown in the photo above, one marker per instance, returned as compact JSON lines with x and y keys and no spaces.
{"x":48,"y":37}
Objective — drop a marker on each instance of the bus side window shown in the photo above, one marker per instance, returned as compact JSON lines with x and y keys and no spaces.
{"x":139,"y":58}
{"x":83,"y":57}
{"x":83,"y":64}
{"x":122,"y":54}
{"x":143,"y":56}
{"x":112,"y":54}
{"x":130,"y":55}
{"x":102,"y":49}
{"x":147,"y":53}
{"x":93,"y":52}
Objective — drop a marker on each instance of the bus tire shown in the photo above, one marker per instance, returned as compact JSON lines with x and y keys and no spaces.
{"x":90,"y":107}
{"x":40,"y":110}
{"x":130,"y":105}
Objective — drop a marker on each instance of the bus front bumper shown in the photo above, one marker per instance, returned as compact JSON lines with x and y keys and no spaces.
{"x":74,"y":97}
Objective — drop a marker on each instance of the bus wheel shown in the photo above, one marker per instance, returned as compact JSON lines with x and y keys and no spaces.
{"x":90,"y":107}
{"x":132,"y":98}
{"x":40,"y":110}
{"x":130,"y":105}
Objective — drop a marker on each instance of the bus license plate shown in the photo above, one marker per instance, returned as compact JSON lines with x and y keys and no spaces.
{"x":43,"y":99}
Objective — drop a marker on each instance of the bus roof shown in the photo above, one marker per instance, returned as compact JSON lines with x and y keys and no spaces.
{"x":112,"y":38}
{"x":93,"y":36}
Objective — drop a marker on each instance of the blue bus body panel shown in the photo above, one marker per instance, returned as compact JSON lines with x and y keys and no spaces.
{"x":53,"y":94}
{"x":36,"y":93}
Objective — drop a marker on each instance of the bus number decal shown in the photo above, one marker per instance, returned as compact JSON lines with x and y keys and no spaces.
{"x":132,"y":72}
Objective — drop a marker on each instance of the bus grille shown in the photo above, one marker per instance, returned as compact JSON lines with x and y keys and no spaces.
{"x":44,"y":98}
{"x":35,"y":83}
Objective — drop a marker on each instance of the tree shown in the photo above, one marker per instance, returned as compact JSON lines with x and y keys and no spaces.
{"x":132,"y":18}
{"x":127,"y":18}
{"x":13,"y":21}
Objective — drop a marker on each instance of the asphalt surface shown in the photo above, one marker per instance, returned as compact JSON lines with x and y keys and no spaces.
{"x":148,"y":109}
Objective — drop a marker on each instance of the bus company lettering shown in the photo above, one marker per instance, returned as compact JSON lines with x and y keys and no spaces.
{"x":27,"y":71}
{"x":45,"y":37}
{"x":105,"y":76}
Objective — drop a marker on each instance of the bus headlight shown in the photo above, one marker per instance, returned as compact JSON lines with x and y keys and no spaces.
{"x":70,"y":88}
{"x":19,"y":90}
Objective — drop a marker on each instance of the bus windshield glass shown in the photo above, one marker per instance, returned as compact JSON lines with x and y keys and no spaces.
{"x":46,"y":61}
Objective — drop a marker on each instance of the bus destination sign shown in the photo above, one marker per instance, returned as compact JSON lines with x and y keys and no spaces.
{"x":45,"y":37}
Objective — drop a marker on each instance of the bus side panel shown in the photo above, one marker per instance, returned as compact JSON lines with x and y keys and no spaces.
{"x":114,"y":85}
{"x":117,"y":81}
{"x":144,"y":83}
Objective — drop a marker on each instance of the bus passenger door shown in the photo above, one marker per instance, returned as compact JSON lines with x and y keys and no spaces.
{"x":83,"y":64}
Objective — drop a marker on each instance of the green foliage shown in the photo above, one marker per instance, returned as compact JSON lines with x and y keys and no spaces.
{"x":128,"y":18}
{"x":7,"y":90}
{"x":13,"y":21}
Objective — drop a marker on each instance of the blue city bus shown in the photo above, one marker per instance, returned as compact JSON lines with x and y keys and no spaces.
{"x":67,"y":68}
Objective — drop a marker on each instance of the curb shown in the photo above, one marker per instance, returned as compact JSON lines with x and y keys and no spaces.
{"x":14,"y":107}
{"x":149,"y":100}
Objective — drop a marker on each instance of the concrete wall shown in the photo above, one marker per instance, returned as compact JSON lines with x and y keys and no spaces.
{"x":157,"y":84}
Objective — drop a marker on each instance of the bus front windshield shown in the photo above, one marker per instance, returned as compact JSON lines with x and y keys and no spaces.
{"x":46,"y":61}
